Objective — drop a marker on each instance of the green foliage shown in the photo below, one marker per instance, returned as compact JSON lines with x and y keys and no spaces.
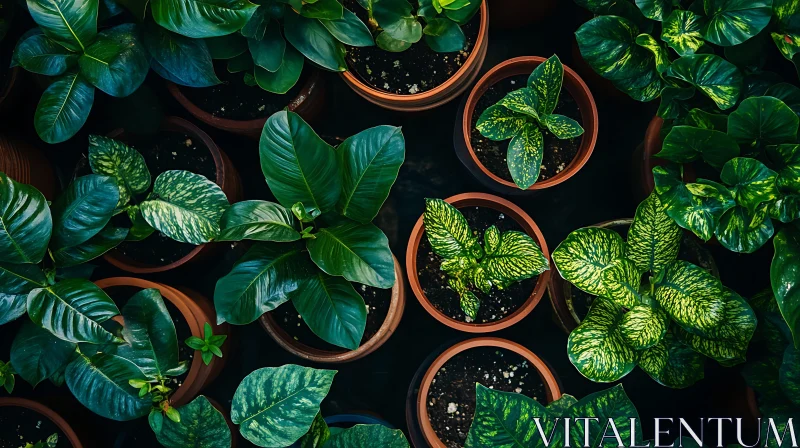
{"x":503,"y":259}
{"x":50,"y":442}
{"x":7,"y":379}
{"x":653,"y":310}
{"x":523,"y":115}
{"x":210,"y":345}
{"x":320,"y":237}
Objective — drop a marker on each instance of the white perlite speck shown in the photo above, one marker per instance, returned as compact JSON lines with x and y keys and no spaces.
{"x":452,"y":408}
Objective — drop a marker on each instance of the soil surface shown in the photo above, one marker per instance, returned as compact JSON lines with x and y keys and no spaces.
{"x":377,"y":301}
{"x":558,"y":154}
{"x":19,"y":426}
{"x":235,"y":100}
{"x":413,"y":71}
{"x":498,"y":303}
{"x":451,"y":398}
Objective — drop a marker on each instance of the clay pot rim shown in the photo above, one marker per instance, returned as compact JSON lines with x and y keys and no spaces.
{"x":198,"y":371}
{"x":46,"y":412}
{"x":314,"y":79}
{"x":552,"y":390}
{"x":652,"y":146}
{"x":529,"y":226}
{"x":170,"y":123}
{"x":390,"y":324}
{"x":576,"y":87}
{"x":462,"y":72}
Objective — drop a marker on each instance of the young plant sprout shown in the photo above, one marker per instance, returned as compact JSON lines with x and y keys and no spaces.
{"x":7,"y":379}
{"x":209,"y":346}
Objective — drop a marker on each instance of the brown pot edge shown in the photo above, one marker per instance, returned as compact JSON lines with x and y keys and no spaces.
{"x":51,"y":415}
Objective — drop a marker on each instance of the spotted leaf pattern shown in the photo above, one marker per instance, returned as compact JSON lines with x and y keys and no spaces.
{"x":612,"y":403}
{"x":597,"y":348}
{"x":672,"y":364}
{"x":516,"y":258}
{"x":621,"y":279}
{"x":505,"y":420}
{"x":563,"y":127}
{"x":741,"y":230}
{"x":694,"y":298}
{"x":546,"y":81}
{"x":644,"y":326}
{"x":109,"y":157}
{"x":365,"y":436}
{"x":682,"y":31}
{"x":654,"y":238}
{"x":201,"y":426}
{"x":522,"y":101}
{"x":751,"y":182}
{"x":447,"y":230}
{"x":582,"y":256}
{"x":500,"y":123}
{"x":714,"y":76}
{"x":524,"y":156}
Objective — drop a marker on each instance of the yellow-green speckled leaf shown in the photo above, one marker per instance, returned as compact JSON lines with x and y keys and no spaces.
{"x":109,"y":157}
{"x":563,"y":127}
{"x":201,"y":426}
{"x":469,"y":303}
{"x":491,"y":239}
{"x":448,"y":230}
{"x":597,"y":349}
{"x":659,"y":52}
{"x":524,"y":157}
{"x":644,"y":326}
{"x":693,"y":298}
{"x":505,"y":420}
{"x":750,"y":181}
{"x":368,"y":436}
{"x":763,"y":120}
{"x":610,"y":404}
{"x":621,"y":280}
{"x":743,"y":231}
{"x":654,"y":238}
{"x":788,"y":44}
{"x":546,"y":80}
{"x":523,"y":101}
{"x":672,"y":364}
{"x":185,"y":206}
{"x":682,"y":31}
{"x":500,"y":123}
{"x":717,"y":78}
{"x":731,"y":22}
{"x":516,"y":258}
{"x":582,"y":256}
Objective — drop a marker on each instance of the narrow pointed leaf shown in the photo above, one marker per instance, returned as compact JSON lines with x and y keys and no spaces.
{"x":516,"y":258}
{"x":258,"y":220}
{"x":105,"y":240}
{"x":349,"y":30}
{"x":498,"y":122}
{"x":546,"y":80}
{"x":563,"y":127}
{"x":316,"y":43}
{"x":784,"y":275}
{"x":40,"y":54}
{"x":525,"y":153}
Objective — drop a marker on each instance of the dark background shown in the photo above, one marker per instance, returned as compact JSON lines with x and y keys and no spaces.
{"x":379,"y":384}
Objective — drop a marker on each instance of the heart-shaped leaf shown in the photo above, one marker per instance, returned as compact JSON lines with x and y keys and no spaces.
{"x":116,"y":62}
{"x":258,"y":220}
{"x":654,"y":238}
{"x":751,"y":182}
{"x":731,"y":22}
{"x":714,"y":76}
{"x":109,"y":157}
{"x":447,"y":230}
{"x":505,"y":420}
{"x":685,"y":144}
{"x":177,"y":58}
{"x":315,"y":42}
{"x":105,"y":240}
{"x":672,"y":364}
{"x":583,"y":255}
{"x":38,"y":53}
{"x":268,"y":52}
{"x":26,"y":222}
{"x":683,"y":31}
{"x":71,"y":23}
{"x":83,"y":209}
{"x":762,"y":121}
{"x":784,"y":277}
{"x":397,"y":20}
{"x":37,"y":354}
{"x":200,"y":19}
{"x":655,"y":9}
{"x":658,"y":50}
{"x":201,"y":425}
{"x":744,"y":231}
{"x":63,"y":108}
{"x":525,"y":154}
{"x":694,"y":298}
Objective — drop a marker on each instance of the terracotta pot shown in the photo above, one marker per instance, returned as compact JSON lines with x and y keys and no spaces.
{"x":386,"y":330}
{"x":308,"y":103}
{"x":438,"y":96}
{"x":572,"y":83}
{"x":510,"y":14}
{"x":644,"y":160}
{"x":46,"y":412}
{"x":196,"y":311}
{"x":517,"y":214}
{"x":552,"y":389}
{"x":24,"y":163}
{"x":227,"y":178}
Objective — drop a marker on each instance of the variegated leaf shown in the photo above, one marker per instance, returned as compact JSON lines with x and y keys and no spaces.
{"x":201,"y":426}
{"x":673,"y":364}
{"x":582,"y":256}
{"x":784,"y":279}
{"x":505,"y":420}
{"x":523,"y":101}
{"x":469,"y":303}
{"x":524,"y":156}
{"x":563,"y":127}
{"x":711,"y":74}
{"x":682,"y":30}
{"x":185,"y":206}
{"x":366,"y":436}
{"x":751,"y":182}
{"x":660,"y":54}
{"x":788,"y":44}
{"x":560,"y":407}
{"x":763,"y":120}
{"x":500,"y":123}
{"x":694,"y":298}
{"x":743,"y":231}
{"x":610,"y":404}
{"x":109,"y":157}
{"x":491,"y":239}
{"x":516,"y":258}
{"x":546,"y":80}
{"x":258,"y":220}
{"x":655,"y":9}
{"x":731,"y":22}
{"x":447,"y":230}
{"x":654,"y":238}
{"x":597,"y":348}
{"x":317,"y":435}
{"x":621,"y":280}
{"x":644,"y":326}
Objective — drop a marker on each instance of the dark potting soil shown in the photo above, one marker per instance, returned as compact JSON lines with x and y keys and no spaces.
{"x":451,"y":397}
{"x":376,"y":299}
{"x":558,"y":154}
{"x":168,"y":151}
{"x":235,"y":100}
{"x":494,"y":306}
{"x":19,"y":426}
{"x":415,"y":70}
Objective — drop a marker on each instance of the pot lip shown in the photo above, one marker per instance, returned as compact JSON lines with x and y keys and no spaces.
{"x":390,"y":323}
{"x":198,"y":372}
{"x":464,"y":71}
{"x":552,"y":389}
{"x":576,"y":87}
{"x":171,"y":123}
{"x":312,"y":82}
{"x":45,"y":411}
{"x":652,"y":146}
{"x":529,"y":226}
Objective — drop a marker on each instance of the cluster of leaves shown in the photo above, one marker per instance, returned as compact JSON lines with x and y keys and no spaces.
{"x":618,"y":44}
{"x":651,"y":310}
{"x":210,"y":345}
{"x":398,"y":26}
{"x":7,"y":379}
{"x":522,"y":115}
{"x":50,"y":442}
{"x":320,"y":237}
{"x":503,"y":259}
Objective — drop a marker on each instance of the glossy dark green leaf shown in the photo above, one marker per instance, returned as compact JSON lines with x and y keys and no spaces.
{"x":365,"y":436}
{"x":784,"y":275}
{"x":12,"y":306}
{"x":694,"y":298}
{"x":750,"y":181}
{"x":597,"y":348}
{"x":731,"y":22}
{"x":315,"y":42}
{"x":201,"y":426}
{"x":200,"y":19}
{"x":583,"y":255}
{"x":287,"y":75}
{"x":258,"y":220}
{"x":655,"y":9}
{"x":673,"y":101}
{"x":40,"y":54}
{"x":226,"y":47}
{"x":673,"y":364}
{"x":447,"y":230}
{"x":349,"y":30}
{"x":745,"y":231}
{"x":63,"y":108}
{"x":258,"y":22}
{"x":714,"y":76}
{"x":562,"y":127}
{"x":788,"y":93}
{"x":762,"y":121}
{"x":108,"y":238}
{"x":789,"y":378}
{"x":444,"y":36}
{"x":241,"y":63}
{"x":317,"y":435}
{"x":83,"y":209}
{"x":109,"y":157}
{"x":685,"y":144}
{"x":72,"y":23}
{"x":332,"y":309}
{"x":386,"y":42}
{"x":612,"y":403}
{"x":177,"y":58}
{"x":116,"y":62}
{"x":546,"y":80}
{"x":682,"y":30}
{"x":268,"y":52}
{"x":26,"y":221}
{"x":654,"y":238}
{"x":37,"y":354}
{"x":707,"y":120}
{"x":465,"y":13}
{"x":322,"y":9}
{"x":505,"y":420}
{"x":397,"y":20}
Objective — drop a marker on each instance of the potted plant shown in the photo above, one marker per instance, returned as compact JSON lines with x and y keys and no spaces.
{"x":406,"y":74}
{"x":498,"y":277}
{"x":445,"y":413}
{"x":319,"y":238}
{"x":652,"y":310}
{"x":522,"y":130}
{"x":34,"y":425}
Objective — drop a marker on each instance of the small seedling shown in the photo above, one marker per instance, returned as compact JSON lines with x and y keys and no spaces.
{"x":209,"y":346}
{"x":7,"y":376}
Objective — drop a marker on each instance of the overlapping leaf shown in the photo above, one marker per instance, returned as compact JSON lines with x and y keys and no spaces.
{"x":201,"y":426}
{"x":448,"y":230}
{"x":597,"y":348}
{"x":109,"y":157}
{"x":694,"y":298}
{"x":332,"y":309}
{"x":583,"y":255}
{"x":101,"y":384}
{"x":714,"y":76}
{"x":654,"y":238}
{"x":26,"y":222}
{"x":672,"y":364}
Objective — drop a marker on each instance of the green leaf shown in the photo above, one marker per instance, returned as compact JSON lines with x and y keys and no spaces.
{"x":789,"y":378}
{"x":559,"y":408}
{"x":12,"y":306}
{"x":385,"y":42}
{"x":685,"y":144}
{"x":694,"y":298}
{"x":322,"y":9}
{"x":644,"y":326}
{"x":200,"y":19}
{"x":516,"y":258}
{"x":73,"y":310}
{"x":731,"y":22}
{"x":258,"y":220}
{"x":83,"y":210}
{"x":463,"y":14}
{"x":597,"y":348}
{"x":71,"y":23}
{"x":285,"y":77}
{"x":332,"y":309}
{"x":469,"y":303}
{"x":505,"y":420}
{"x":444,"y":36}
{"x":108,"y":238}
{"x":583,"y":255}
{"x":498,"y":122}
{"x":447,"y":230}
{"x":714,"y":76}
{"x":63,"y":108}
{"x":226,"y":47}
{"x":259,"y":282}
{"x":654,"y":239}
{"x":37,"y":354}
{"x":349,"y":30}
{"x":26,"y":222}
{"x":562,"y":127}
{"x":20,"y":278}
{"x":611,"y":403}
{"x":655,"y":9}
{"x":369,"y":163}
{"x":522,"y":101}
{"x":673,"y":101}
{"x":298,"y":165}
{"x":784,"y":275}
{"x":257,"y":24}
{"x":275,"y":406}
{"x":741,"y":230}
{"x":707,"y":120}
{"x":365,"y":436}
{"x":116,"y":62}
{"x":315,"y":42}
{"x":109,"y":157}
{"x":762,"y":121}
{"x":672,"y":364}
{"x":621,"y":280}
{"x":358,"y":252}
{"x":201,"y":426}
{"x":397,"y":20}
{"x":185,"y":206}
{"x":751,"y":182}
{"x":546,"y":80}
{"x":40,"y":54}
{"x":152,"y":343}
{"x":101,"y":384}
{"x":268,"y":52}
{"x":318,"y":435}
{"x":660,"y":54}
{"x":177,"y":58}
{"x":525,"y":153}
{"x":241,"y":63}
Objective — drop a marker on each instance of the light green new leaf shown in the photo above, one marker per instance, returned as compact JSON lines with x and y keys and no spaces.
{"x":644,"y":326}
{"x":741,"y":230}
{"x":448,"y":230}
{"x":83,"y":209}
{"x":200,"y":19}
{"x":524,"y":156}
{"x":654,"y":239}
{"x":316,"y":43}
{"x":682,"y":30}
{"x":660,"y":54}
{"x":71,"y":23}
{"x":500,"y":123}
{"x":784,"y":275}
{"x":505,"y":420}
{"x":201,"y":426}
{"x":63,"y":108}
{"x":275,"y":406}
{"x":714,"y":76}
{"x":26,"y":222}
{"x":685,"y":144}
{"x":621,"y":280}
{"x":109,"y":157}
{"x":694,"y":298}
{"x":116,"y":62}
{"x":258,"y":220}
{"x":516,"y":258}
{"x":673,"y":364}
{"x":584,"y":254}
{"x":762,"y":121}
{"x":37,"y":354}
{"x":366,"y":436}
{"x":563,"y":127}
{"x":546,"y":80}
{"x":750,"y":181}
{"x":732,"y":22}
{"x":611,"y":403}
{"x":108,"y":238}
{"x":523,"y":101}
{"x":101,"y":384}
{"x":332,"y":309}
{"x":358,"y":252}
{"x":38,"y":53}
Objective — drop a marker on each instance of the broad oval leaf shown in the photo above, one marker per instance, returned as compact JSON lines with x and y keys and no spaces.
{"x":644,"y":326}
{"x":685,"y":144}
{"x":694,"y":298}
{"x":447,"y":230}
{"x":258,"y":220}
{"x":285,"y":77}
{"x":654,"y":239}
{"x":101,"y":384}
{"x":396,"y":18}
{"x":83,"y":209}
{"x":275,"y":406}
{"x":612,"y":403}
{"x":315,"y":42}
{"x":516,"y":258}
{"x":751,"y":182}
{"x":26,"y":220}
{"x":322,"y":9}
{"x":201,"y":426}
{"x":37,"y":354}
{"x":180,"y":59}
{"x":109,"y":157}
{"x":71,"y":23}
{"x":200,"y":19}
{"x":784,"y":275}
{"x":597,"y":348}
{"x":741,"y":230}
{"x":546,"y":80}
{"x":40,"y":54}
{"x":682,"y":30}
{"x":762,"y":121}
{"x":358,"y":252}
{"x":105,"y":240}
{"x":731,"y":22}
{"x":73,"y":310}
{"x":116,"y":62}
{"x":714,"y":76}
{"x":63,"y":108}
{"x":349,"y":30}
{"x":505,"y":420}
{"x":498,"y":122}
{"x":365,"y":436}
{"x":582,"y":256}
{"x":673,"y":364}
{"x":621,"y":281}
{"x":524,"y":157}
{"x":789,"y":375}
{"x":12,"y":306}
{"x":268,"y":52}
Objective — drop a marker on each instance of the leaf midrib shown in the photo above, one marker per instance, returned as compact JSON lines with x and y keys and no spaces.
{"x":71,"y":31}
{"x":364,"y":172}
